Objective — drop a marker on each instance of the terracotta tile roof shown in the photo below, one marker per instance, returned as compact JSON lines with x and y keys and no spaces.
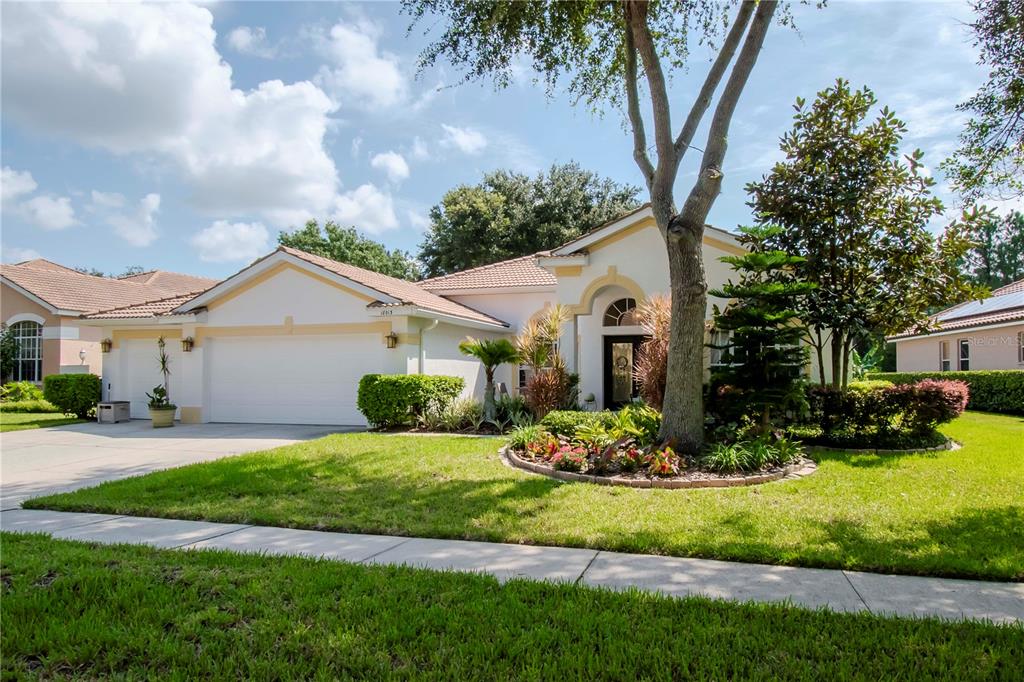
{"x":43,"y":264}
{"x":408,"y":293}
{"x":171,"y":282}
{"x":515,"y":272}
{"x":156,"y":308}
{"x":1011,"y":288}
{"x":67,"y":289}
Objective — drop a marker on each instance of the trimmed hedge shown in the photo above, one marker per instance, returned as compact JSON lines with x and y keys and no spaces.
{"x":566,"y":422}
{"x":991,"y":390}
{"x":394,"y":399}
{"x":75,"y":394}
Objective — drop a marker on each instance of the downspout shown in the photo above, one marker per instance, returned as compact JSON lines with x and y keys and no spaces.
{"x":423,"y":350}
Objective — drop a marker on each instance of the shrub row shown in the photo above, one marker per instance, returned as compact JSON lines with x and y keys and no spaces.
{"x":20,"y":391}
{"x":567,"y":422}
{"x":388,"y":400}
{"x":991,"y":390}
{"x":26,"y":406}
{"x":883,"y":415}
{"x":75,"y":394}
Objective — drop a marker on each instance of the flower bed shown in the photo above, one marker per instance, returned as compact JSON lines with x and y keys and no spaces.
{"x":691,"y":477}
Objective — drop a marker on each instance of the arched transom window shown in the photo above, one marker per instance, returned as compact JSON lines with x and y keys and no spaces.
{"x":622,"y":313}
{"x":29,"y":336}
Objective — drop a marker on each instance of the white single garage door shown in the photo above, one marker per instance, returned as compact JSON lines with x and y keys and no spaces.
{"x":290,"y":379}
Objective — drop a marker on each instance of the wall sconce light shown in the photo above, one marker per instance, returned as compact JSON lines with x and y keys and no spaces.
{"x":81,"y":355}
{"x":186,"y":344}
{"x":392,"y":340}
{"x":106,"y":345}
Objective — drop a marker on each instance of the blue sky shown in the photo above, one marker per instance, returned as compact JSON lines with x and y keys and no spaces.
{"x":186,"y":137}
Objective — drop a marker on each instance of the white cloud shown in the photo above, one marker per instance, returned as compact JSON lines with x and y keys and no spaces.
{"x":147,"y":79}
{"x":419,"y":149}
{"x":49,"y":213}
{"x":251,"y":41}
{"x":15,"y":183}
{"x":366,"y":208}
{"x":466,"y":140}
{"x":419,"y":222}
{"x":137,"y":227}
{"x":223,"y":242}
{"x":393,"y":164}
{"x":16,"y":254}
{"x":359,"y":74}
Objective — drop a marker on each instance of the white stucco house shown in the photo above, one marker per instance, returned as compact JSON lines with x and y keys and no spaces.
{"x":286,"y":339}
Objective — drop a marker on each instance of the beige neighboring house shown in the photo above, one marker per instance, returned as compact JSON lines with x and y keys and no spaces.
{"x":986,"y":334}
{"x":287,"y":339}
{"x":42,"y":302}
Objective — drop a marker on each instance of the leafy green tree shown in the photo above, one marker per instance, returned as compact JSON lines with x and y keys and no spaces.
{"x":858,"y":213}
{"x":614,"y":53}
{"x":764,"y":357}
{"x":492,"y":353}
{"x":997,"y":256}
{"x":511,"y":214}
{"x":990,"y":158}
{"x":346,"y":245}
{"x":9,"y":351}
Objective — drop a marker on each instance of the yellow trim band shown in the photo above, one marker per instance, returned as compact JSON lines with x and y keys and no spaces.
{"x":382,"y":328}
{"x":142,"y":334}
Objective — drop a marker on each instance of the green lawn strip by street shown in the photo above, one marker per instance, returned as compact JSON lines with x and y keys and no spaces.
{"x":947,"y":513}
{"x":19,"y":421}
{"x":78,"y":610}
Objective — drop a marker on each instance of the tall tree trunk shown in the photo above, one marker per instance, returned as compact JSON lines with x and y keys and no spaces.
{"x":819,"y":348}
{"x":489,"y":409}
{"x":683,"y":407}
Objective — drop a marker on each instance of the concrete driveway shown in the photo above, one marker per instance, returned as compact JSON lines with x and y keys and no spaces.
{"x":61,"y":458}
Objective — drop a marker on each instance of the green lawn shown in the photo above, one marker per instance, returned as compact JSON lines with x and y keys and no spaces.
{"x":951,"y":513}
{"x":19,"y":421}
{"x":86,"y":611}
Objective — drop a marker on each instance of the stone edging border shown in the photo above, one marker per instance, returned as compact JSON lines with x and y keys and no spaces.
{"x":799,"y":469}
{"x":950,"y":444}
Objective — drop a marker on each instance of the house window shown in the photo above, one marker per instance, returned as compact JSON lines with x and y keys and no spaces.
{"x":718,"y":338}
{"x":29,"y":366}
{"x":1020,"y":347}
{"x":965,"y":354}
{"x":944,"y":361}
{"x":622,"y":313}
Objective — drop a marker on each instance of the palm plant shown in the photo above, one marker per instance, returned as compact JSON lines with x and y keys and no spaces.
{"x":492,"y":353}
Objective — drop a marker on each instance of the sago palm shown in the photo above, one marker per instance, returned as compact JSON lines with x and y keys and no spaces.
{"x":492,"y":353}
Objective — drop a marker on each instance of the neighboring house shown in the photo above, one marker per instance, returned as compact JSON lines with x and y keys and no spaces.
{"x":287,"y":338}
{"x":41,"y":302}
{"x":986,"y":334}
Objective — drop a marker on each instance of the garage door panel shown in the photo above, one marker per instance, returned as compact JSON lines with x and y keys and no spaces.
{"x":291,"y":380}
{"x":141,"y":372}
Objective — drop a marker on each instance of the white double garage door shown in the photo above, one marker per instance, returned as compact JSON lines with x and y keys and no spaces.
{"x":270,"y":379}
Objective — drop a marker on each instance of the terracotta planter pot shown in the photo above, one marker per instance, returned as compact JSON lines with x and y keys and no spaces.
{"x":162,"y":416}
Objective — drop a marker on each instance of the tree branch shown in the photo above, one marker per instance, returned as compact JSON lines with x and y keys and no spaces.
{"x":636,"y":23}
{"x":636,"y":120}
{"x":709,"y":180}
{"x":714,"y":77}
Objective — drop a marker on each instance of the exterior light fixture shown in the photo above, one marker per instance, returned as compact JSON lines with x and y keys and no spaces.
{"x":186,"y":344}
{"x":106,"y":345}
{"x":392,"y":340}
{"x":81,"y":355}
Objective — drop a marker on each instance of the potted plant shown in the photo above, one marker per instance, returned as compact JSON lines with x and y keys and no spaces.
{"x":161,"y":409}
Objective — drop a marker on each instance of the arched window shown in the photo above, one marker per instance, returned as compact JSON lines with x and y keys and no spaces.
{"x":29,"y":336}
{"x":622,"y":313}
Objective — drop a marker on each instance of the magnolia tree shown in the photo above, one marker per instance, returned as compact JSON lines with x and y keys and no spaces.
{"x":619,"y":53}
{"x":857,"y":210}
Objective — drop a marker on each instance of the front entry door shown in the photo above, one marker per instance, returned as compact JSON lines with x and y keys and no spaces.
{"x":620,"y":354}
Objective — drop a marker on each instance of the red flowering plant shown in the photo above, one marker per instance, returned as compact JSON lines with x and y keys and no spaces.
{"x":663,"y":462}
{"x":629,"y":459}
{"x":570,"y":458}
{"x":544,"y":446}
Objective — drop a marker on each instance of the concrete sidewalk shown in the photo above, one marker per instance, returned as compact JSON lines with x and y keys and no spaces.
{"x":838,"y":590}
